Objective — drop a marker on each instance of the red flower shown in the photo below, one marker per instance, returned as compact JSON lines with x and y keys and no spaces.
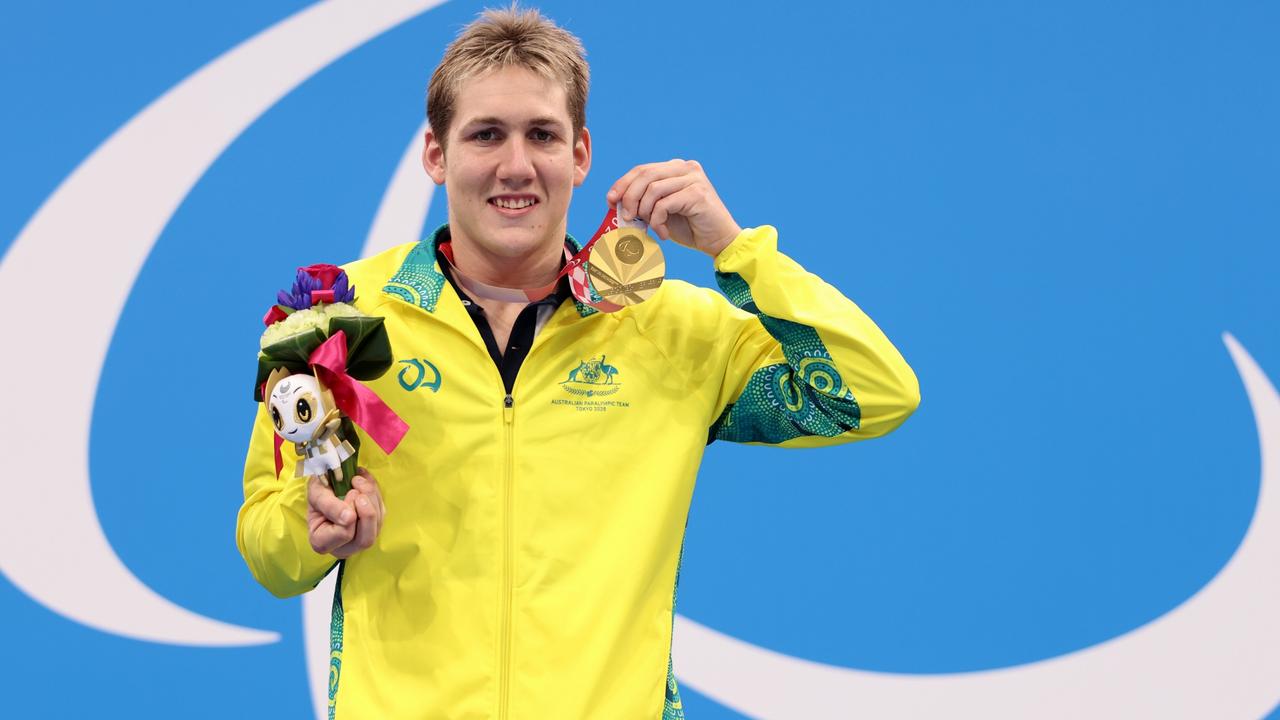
{"x":317,"y":284}
{"x":326,"y":274}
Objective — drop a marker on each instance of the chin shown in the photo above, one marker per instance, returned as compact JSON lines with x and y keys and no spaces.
{"x":518,"y":242}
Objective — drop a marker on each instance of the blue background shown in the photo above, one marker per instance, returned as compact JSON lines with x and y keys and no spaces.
{"x":1054,"y":210}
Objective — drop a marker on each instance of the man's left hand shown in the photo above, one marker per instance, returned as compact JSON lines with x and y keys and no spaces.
{"x":678,"y":202}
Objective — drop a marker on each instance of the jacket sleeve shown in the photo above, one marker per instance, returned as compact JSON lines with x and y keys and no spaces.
{"x":806,"y":366}
{"x":271,"y":529}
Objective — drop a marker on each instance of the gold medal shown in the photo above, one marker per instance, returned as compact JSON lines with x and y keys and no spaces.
{"x":626,"y":266}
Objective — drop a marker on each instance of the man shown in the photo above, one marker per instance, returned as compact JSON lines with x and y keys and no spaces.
{"x":517,"y":555}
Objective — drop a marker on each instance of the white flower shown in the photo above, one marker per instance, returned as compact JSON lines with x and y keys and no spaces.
{"x":301,"y":321}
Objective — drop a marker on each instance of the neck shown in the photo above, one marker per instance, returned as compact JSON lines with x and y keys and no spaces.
{"x":536,"y":268}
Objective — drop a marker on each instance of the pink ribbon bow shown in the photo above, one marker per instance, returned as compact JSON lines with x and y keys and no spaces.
{"x":362,"y":405}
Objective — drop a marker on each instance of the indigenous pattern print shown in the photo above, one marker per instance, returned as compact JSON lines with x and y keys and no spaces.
{"x":419,"y":280}
{"x":335,"y":643}
{"x":803,"y":396}
{"x":672,"y":708}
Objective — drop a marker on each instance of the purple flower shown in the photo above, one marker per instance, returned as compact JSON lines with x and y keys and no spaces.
{"x":313,"y":278}
{"x":341,"y":291}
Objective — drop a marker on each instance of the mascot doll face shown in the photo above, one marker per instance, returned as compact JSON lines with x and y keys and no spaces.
{"x":297,"y":405}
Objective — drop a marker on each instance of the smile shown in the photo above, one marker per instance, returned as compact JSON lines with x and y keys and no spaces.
{"x":514,"y":202}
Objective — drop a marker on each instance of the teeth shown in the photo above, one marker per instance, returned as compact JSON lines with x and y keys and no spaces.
{"x":513,"y":204}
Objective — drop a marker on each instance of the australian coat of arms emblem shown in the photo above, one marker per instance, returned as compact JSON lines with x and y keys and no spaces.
{"x":592,"y":378}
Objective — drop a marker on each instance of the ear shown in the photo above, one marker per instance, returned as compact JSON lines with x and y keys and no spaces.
{"x":324,"y":389}
{"x":433,"y":157}
{"x":581,"y":157}
{"x":269,"y":386}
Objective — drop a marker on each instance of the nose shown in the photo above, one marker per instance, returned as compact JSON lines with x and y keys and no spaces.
{"x":516,"y":164}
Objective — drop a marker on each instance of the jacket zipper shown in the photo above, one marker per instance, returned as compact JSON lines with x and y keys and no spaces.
{"x":508,"y":532}
{"x":508,"y":479}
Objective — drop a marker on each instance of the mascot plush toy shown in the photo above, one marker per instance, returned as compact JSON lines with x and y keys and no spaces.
{"x":315,"y":352}
{"x":305,"y":413}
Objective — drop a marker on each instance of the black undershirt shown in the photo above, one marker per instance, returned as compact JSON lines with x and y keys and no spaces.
{"x":522,"y":332}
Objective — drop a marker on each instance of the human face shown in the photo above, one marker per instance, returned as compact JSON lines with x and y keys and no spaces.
{"x":510,"y":169}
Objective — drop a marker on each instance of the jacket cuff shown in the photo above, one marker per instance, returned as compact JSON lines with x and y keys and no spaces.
{"x":749,"y":245}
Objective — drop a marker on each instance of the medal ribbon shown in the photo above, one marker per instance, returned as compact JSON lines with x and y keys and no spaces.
{"x":573,"y":267}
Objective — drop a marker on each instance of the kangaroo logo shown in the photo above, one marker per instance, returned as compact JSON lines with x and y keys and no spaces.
{"x":592,"y":377}
{"x":414,"y":375}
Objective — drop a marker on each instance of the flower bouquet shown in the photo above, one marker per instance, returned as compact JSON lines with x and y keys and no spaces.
{"x":315,"y":350}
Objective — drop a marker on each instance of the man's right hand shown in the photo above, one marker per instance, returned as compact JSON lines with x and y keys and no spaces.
{"x":344,"y":527}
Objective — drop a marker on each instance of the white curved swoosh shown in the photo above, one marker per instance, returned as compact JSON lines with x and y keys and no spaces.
{"x":399,"y":219}
{"x":1215,"y":656}
{"x":405,"y":202}
{"x":93,"y":234}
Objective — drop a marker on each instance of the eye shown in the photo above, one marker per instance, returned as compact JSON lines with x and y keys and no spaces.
{"x":486,"y":135}
{"x":542,"y":136}
{"x":275,"y":417}
{"x":303,"y":410}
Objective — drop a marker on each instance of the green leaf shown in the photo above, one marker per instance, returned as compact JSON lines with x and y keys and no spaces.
{"x":291,"y":352}
{"x":266,"y":366}
{"x":295,"y":348}
{"x":368,"y":347}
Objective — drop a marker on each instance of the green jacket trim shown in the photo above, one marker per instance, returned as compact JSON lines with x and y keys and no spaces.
{"x":335,"y":642}
{"x":802,"y":397}
{"x":419,"y":280}
{"x":672,"y":707}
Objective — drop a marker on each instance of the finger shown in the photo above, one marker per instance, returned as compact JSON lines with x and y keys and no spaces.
{"x":684,"y":202}
{"x":675,"y":166}
{"x":621,"y":184}
{"x":366,"y":530}
{"x":368,"y":485}
{"x":659,"y":189}
{"x":327,"y":537}
{"x":369,"y":524}
{"x":648,"y":174}
{"x":629,"y":188}
{"x":320,"y":496}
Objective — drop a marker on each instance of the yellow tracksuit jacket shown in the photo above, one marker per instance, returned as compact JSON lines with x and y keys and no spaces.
{"x":528,"y":561}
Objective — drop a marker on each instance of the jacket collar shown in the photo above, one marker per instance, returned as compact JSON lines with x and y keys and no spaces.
{"x":419,"y":280}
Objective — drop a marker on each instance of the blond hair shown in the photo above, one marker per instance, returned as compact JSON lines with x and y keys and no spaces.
{"x":504,"y":38}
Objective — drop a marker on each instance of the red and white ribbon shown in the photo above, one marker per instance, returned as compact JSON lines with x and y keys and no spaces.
{"x":574,"y":267}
